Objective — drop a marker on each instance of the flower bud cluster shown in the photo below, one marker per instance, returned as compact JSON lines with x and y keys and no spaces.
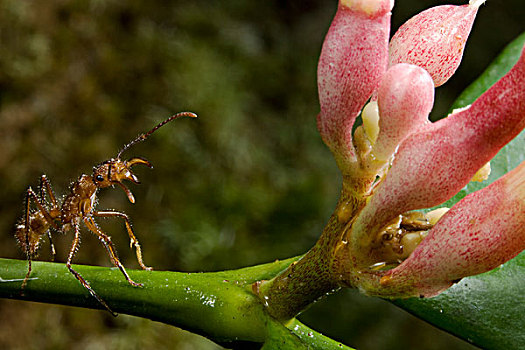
{"x":397,"y":161}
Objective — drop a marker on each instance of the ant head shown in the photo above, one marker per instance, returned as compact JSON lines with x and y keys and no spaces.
{"x":114,"y":171}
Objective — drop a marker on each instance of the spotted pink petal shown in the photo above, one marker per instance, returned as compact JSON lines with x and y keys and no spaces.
{"x":405,"y":98}
{"x":353,"y":59}
{"x":434,"y":39}
{"x":481,"y":232}
{"x":438,"y":160}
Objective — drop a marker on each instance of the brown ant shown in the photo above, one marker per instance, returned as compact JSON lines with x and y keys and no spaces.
{"x":79,"y":206}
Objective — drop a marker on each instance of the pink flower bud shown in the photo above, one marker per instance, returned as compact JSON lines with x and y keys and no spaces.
{"x":405,"y":98}
{"x":434,"y":39}
{"x":479,"y":233}
{"x":353,"y":59}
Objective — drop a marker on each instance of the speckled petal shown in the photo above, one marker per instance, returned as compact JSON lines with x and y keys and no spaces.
{"x":353,"y":59}
{"x":405,"y":98}
{"x":481,"y":232}
{"x":434,"y":39}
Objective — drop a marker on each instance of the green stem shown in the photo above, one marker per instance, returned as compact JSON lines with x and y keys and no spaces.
{"x":218,"y":305}
{"x":298,"y":286}
{"x":315,"y":339}
{"x":317,"y":272}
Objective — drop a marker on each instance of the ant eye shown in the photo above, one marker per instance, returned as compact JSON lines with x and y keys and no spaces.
{"x":99,"y":178}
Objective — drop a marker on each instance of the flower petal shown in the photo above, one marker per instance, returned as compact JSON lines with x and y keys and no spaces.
{"x":353,"y":59}
{"x":405,"y":98}
{"x":434,"y":39}
{"x":481,"y":232}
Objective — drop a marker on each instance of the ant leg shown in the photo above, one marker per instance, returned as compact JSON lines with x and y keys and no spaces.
{"x":133,"y":240}
{"x":106,"y":240}
{"x":72,"y":251}
{"x":42,"y":209}
{"x":45,"y":186}
{"x":26,"y":237}
{"x":40,"y":206}
{"x":28,"y":232}
{"x":51,"y":246}
{"x":29,"y":235}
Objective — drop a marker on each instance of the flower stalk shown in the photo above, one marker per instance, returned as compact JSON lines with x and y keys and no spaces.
{"x":312,"y":276}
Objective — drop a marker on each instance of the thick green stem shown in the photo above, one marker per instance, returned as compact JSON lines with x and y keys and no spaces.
{"x":316,"y":273}
{"x":217,"y":305}
{"x":301,"y":284}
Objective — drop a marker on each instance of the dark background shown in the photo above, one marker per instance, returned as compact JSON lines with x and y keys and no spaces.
{"x":248,"y":182}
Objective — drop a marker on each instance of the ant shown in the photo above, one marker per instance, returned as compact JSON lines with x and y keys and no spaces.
{"x":79,"y":206}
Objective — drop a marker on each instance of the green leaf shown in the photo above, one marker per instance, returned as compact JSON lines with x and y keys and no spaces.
{"x":488,"y":309}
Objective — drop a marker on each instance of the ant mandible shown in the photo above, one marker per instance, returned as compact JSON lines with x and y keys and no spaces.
{"x":79,"y":206}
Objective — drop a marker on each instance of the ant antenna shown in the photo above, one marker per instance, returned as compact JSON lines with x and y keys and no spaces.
{"x":144,"y":136}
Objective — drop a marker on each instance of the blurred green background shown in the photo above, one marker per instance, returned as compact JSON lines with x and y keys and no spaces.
{"x":250,"y":181}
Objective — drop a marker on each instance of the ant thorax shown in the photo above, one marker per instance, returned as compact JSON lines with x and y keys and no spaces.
{"x":80,"y":201}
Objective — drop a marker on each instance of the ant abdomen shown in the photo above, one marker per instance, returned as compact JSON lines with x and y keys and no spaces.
{"x":29,"y":238}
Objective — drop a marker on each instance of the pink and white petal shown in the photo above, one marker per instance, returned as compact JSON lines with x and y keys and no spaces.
{"x":435,"y":39}
{"x":481,"y":232}
{"x":438,"y":160}
{"x":353,"y":59}
{"x":405,"y":99}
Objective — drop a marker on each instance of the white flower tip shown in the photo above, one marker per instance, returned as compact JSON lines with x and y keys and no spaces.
{"x":436,"y":214}
{"x":410,"y":241}
{"x":370,"y":116}
{"x":457,"y":110}
{"x":476,"y":3}
{"x":369,"y":7}
{"x":482,"y":174}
